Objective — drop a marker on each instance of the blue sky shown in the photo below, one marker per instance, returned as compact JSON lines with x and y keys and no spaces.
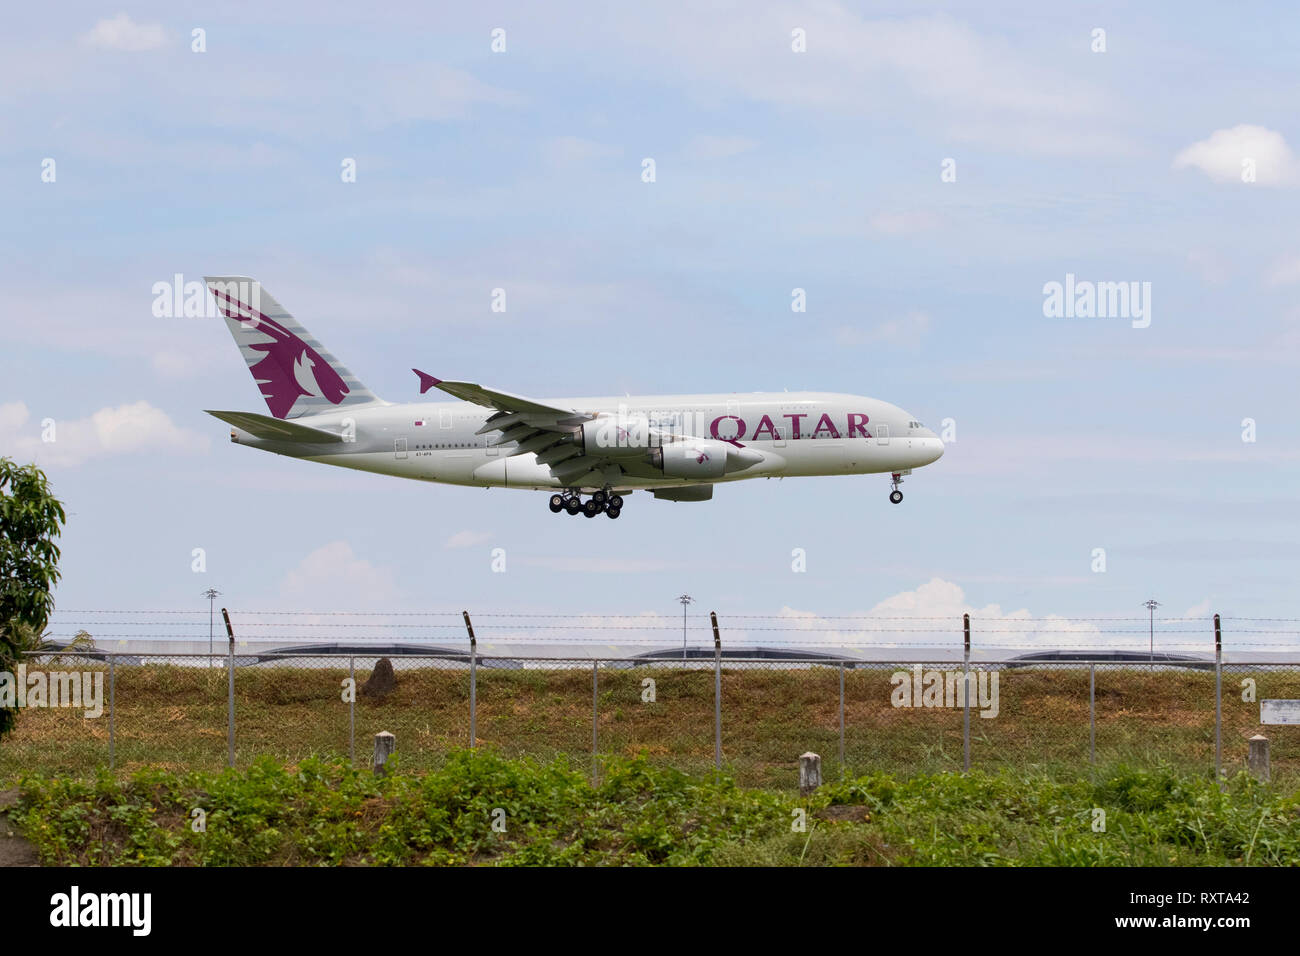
{"x":775,"y":170}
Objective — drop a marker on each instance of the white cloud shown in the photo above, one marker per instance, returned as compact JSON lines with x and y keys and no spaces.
{"x":931,"y":615}
{"x":174,"y":365}
{"x":1198,"y":610}
{"x":333,"y":576}
{"x":1210,"y":265}
{"x":602,"y":565}
{"x":467,"y":539}
{"x":1286,"y":272}
{"x":123,"y":34}
{"x":123,"y":430}
{"x":1095,"y":446}
{"x":566,"y":152}
{"x":718,"y":147}
{"x":907,"y":331}
{"x":426,"y":91}
{"x":979,"y":86}
{"x":903,"y":223}
{"x":1222,"y":154}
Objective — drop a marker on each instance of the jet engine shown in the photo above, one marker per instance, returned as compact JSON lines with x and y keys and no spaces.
{"x":697,"y":458}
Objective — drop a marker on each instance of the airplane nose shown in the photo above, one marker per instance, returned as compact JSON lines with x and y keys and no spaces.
{"x":932,"y":447}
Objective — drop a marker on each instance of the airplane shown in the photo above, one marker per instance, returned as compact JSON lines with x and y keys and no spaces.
{"x":676,"y":447}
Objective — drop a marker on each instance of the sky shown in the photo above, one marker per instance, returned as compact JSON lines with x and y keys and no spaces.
{"x":923,"y":172}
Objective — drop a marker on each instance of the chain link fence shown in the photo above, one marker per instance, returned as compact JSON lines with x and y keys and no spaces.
{"x":752,"y":717}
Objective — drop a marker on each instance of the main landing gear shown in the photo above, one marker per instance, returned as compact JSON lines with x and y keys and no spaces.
{"x":602,"y":501}
{"x":896,"y":496}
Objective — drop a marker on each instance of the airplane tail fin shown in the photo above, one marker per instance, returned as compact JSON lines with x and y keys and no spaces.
{"x":295,"y":373}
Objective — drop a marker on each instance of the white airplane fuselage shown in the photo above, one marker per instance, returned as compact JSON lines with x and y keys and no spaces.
{"x":793,"y":433}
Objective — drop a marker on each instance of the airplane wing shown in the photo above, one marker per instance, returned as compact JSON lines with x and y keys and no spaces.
{"x":490,"y":398}
{"x":550,"y":432}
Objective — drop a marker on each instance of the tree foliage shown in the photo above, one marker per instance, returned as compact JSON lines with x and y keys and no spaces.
{"x":31,"y":519}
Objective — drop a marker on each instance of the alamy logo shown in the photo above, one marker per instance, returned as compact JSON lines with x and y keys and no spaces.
{"x":73,"y":689}
{"x":134,"y":910}
{"x":1083,"y":299}
{"x":935,"y":688}
{"x":190,"y":300}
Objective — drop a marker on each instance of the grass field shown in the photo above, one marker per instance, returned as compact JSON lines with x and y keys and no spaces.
{"x":482,"y":809}
{"x":174,"y":717}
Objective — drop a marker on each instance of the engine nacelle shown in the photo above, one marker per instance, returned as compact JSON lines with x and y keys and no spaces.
{"x":618,"y":435}
{"x":697,"y":458}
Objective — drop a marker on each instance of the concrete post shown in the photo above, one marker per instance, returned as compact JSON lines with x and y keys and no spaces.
{"x":1257,"y":761}
{"x":385,"y":745}
{"x":810,"y":773}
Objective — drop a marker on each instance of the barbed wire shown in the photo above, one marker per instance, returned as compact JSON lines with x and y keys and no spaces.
{"x":953,"y":647}
{"x":975,"y":618}
{"x":842,"y":630}
{"x":246,"y":625}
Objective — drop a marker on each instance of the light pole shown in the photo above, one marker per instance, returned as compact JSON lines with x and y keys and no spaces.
{"x":1151,"y":606}
{"x":211,"y":594}
{"x":685,"y":599}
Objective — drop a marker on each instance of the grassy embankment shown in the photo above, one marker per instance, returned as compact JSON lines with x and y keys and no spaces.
{"x":174,"y":717}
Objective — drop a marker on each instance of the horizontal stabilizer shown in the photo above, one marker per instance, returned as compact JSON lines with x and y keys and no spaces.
{"x":275,"y":429}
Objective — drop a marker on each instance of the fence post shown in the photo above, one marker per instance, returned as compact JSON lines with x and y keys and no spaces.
{"x":717,"y":692}
{"x":473,"y":683}
{"x":595,"y":715}
{"x":841,"y":721}
{"x":112,"y":709}
{"x":965,"y":692}
{"x":230,"y":690}
{"x":1218,"y":703}
{"x":352,"y":712}
{"x":1092,"y":713}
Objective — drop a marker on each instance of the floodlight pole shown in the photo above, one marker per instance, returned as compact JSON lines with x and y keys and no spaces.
{"x":685,"y":599}
{"x":1151,"y":606}
{"x":211,"y":594}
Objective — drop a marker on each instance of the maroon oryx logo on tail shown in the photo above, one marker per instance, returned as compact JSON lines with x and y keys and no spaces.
{"x":290,"y":368}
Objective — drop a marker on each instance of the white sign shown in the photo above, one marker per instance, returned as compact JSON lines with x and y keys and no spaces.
{"x":1279,"y":711}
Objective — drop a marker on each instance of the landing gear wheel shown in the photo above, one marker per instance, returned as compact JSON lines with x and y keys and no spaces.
{"x":592,"y":508}
{"x":616,"y":501}
{"x":613,"y":511}
{"x":896,"y":479}
{"x":573,"y":506}
{"x":557,"y":503}
{"x":599,"y":497}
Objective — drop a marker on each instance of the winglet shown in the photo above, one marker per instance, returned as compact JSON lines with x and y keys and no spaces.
{"x":427,"y":381}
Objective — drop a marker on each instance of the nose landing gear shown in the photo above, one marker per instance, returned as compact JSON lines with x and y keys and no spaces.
{"x":896,"y":496}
